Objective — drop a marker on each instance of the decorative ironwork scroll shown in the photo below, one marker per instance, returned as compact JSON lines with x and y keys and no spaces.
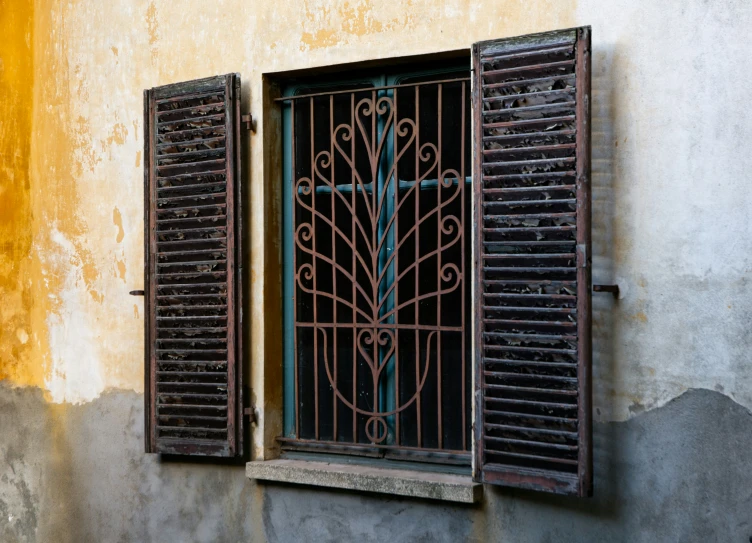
{"x":379,"y":211}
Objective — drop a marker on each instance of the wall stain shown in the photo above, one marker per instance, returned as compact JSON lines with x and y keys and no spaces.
{"x":121,"y":269}
{"x":349,"y":20}
{"x":152,"y":28}
{"x":117,"y":219}
{"x":117,"y":136}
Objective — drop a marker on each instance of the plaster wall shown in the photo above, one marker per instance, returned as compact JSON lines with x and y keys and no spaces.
{"x":671,"y":220}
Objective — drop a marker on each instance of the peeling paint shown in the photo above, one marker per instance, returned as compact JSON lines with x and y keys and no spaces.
{"x":121,"y":269}
{"x":152,"y":28}
{"x":117,"y":220}
{"x":117,"y":135}
{"x":349,"y":21}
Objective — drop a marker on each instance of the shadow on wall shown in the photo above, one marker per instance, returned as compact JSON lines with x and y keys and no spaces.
{"x":605,"y":369}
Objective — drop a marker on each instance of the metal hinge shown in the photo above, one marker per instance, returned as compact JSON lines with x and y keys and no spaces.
{"x":248,"y":123}
{"x":136,"y":293}
{"x":250,"y":412}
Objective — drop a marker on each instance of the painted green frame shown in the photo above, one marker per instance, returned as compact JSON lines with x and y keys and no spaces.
{"x":378,"y":79}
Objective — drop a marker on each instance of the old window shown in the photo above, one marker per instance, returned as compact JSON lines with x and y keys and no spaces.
{"x":377,"y":173}
{"x":387,"y":343}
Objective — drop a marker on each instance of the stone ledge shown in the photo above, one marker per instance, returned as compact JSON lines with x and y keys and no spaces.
{"x":400,"y":482}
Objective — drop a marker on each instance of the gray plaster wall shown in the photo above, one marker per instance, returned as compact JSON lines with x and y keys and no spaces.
{"x":681,"y":472}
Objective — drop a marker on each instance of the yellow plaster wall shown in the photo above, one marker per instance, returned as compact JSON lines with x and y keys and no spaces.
{"x":75,"y":234}
{"x":16,"y":93}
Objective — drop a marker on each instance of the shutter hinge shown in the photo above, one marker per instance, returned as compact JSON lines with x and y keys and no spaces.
{"x":248,"y":122}
{"x":250,"y":412}
{"x":583,"y":253}
{"x":136,"y":293}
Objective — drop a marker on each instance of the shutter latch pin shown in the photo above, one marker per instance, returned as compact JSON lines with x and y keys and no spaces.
{"x":613,"y":289}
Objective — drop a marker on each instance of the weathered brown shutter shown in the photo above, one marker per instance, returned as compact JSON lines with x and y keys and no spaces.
{"x":532,"y":260}
{"x":192,"y":268}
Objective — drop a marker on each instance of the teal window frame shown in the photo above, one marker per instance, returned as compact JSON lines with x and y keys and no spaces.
{"x":323,"y":84}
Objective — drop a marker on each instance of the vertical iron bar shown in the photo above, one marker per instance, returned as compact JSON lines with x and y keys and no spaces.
{"x":462,"y":261}
{"x":354,"y":269}
{"x":438,"y":270}
{"x":295,"y":267}
{"x":315,"y":304}
{"x":374,"y":194}
{"x":395,"y":239}
{"x":334,"y":259}
{"x":417,"y":263}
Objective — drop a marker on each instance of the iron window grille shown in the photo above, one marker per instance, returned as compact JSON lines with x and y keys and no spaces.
{"x":377,"y":288}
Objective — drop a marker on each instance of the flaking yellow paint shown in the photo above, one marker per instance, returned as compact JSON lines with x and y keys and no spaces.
{"x":117,"y":219}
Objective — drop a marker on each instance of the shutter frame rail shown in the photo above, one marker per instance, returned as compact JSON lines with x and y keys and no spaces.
{"x":189,"y":366}
{"x":532,"y":274}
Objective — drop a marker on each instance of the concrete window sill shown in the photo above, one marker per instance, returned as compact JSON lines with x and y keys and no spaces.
{"x":400,"y":482}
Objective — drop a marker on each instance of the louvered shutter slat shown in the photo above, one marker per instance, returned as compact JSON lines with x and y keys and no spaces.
{"x":192,"y":250}
{"x":532,"y":262}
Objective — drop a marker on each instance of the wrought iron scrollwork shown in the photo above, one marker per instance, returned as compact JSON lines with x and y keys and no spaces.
{"x":375,"y":199}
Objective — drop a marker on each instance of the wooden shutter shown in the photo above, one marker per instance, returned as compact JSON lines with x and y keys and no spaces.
{"x":192,"y":268}
{"x":532,"y":259}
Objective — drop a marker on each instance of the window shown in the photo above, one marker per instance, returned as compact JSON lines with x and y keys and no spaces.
{"x":377,"y":174}
{"x":420,"y":278}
